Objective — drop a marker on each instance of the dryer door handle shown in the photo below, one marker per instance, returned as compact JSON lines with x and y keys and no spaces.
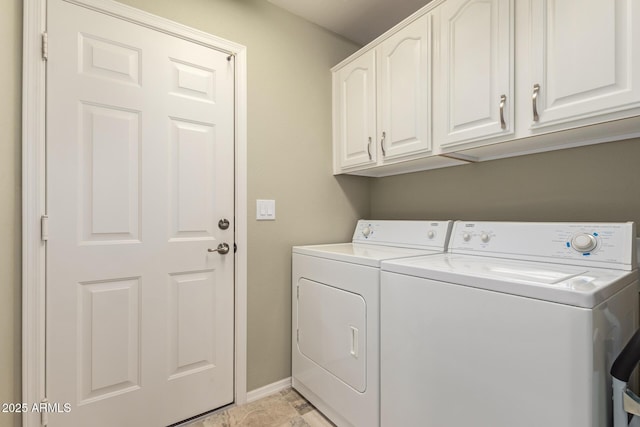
{"x":354,"y":341}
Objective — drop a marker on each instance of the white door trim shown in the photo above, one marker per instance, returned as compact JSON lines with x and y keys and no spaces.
{"x":34,"y":201}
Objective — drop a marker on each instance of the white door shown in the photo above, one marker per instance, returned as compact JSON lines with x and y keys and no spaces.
{"x":404,"y":90}
{"x":584,"y":59}
{"x":140,"y":155}
{"x":355,"y":112}
{"x":475,"y":76}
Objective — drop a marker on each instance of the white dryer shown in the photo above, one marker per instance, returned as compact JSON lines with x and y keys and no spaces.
{"x":517,"y":325}
{"x":335,"y":315}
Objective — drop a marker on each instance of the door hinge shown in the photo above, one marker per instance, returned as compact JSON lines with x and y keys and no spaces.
{"x":44,"y":414}
{"x":44,"y":228}
{"x":45,"y":46}
{"x":297,"y":292}
{"x":297,"y":335}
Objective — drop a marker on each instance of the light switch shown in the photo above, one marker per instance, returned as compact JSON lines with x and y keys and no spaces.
{"x":265,"y":210}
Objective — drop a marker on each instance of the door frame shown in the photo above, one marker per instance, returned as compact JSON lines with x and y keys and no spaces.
{"x":34,"y":198}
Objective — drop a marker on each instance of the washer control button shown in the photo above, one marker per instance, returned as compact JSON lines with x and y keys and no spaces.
{"x":366,"y":232}
{"x":466,"y":236}
{"x":584,"y":242}
{"x":485,"y":237}
{"x":431,"y":234}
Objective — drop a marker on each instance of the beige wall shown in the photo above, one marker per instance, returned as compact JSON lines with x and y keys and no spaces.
{"x":593,"y":183}
{"x":289,"y":160}
{"x":10,"y":170}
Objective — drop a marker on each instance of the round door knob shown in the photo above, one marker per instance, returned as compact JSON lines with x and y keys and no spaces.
{"x":584,"y":242}
{"x":222,"y":249}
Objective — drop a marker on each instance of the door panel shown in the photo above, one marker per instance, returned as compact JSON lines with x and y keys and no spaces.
{"x":110,"y":150}
{"x":192,"y":180}
{"x":405,"y":68}
{"x":583,"y":59}
{"x":140,"y":154}
{"x":332,"y":331}
{"x":475,"y":71}
{"x":109,"y":342}
{"x":192,"y":296}
{"x":355,"y":116}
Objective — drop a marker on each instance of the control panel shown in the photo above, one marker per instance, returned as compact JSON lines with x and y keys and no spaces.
{"x":410,"y":234}
{"x":597,"y":244}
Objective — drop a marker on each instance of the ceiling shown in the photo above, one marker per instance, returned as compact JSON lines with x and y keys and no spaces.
{"x":357,"y":20}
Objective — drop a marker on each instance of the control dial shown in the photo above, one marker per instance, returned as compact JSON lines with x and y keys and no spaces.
{"x":584,"y":242}
{"x":431,"y":234}
{"x":466,"y":236}
{"x":485,"y":237}
{"x":366,"y":232}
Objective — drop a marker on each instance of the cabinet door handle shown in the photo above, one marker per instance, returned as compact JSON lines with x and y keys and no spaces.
{"x":369,"y":149}
{"x":503,"y":100}
{"x":534,"y":98}
{"x":384,"y":136}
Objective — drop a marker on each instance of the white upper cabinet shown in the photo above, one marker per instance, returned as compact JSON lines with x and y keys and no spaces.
{"x":584,"y":60}
{"x":472,"y":80}
{"x":404,"y":64}
{"x":474,"y":74}
{"x":354,"y":112}
{"x":382,"y":105}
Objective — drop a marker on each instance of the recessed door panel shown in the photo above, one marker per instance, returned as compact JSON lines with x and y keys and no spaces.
{"x":355,"y":114}
{"x":332,"y":331}
{"x":193,"y":81}
{"x":471,"y":37}
{"x":192,"y":296}
{"x":475,"y":71}
{"x":405,"y":80}
{"x":110,"y":174}
{"x":109,"y":324}
{"x":109,"y":59}
{"x":193,"y":179}
{"x":356,"y":99}
{"x":584,"y":58}
{"x":405,"y":84}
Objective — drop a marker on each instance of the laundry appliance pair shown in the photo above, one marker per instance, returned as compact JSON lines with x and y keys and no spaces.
{"x":444,"y":324}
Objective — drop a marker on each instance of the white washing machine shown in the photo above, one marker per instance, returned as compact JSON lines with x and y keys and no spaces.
{"x":335,"y":315}
{"x":517,"y":325}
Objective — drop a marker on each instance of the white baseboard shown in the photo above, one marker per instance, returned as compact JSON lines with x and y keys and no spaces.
{"x":261,"y":392}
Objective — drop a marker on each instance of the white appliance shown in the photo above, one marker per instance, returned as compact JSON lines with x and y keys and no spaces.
{"x":335,"y":315}
{"x":516,"y":326}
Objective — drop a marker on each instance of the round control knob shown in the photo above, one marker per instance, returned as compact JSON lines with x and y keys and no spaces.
{"x":431,"y":234}
{"x":366,"y":232}
{"x":584,"y":242}
{"x":485,"y":237}
{"x":466,"y":236}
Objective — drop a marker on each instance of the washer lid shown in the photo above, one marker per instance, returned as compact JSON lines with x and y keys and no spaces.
{"x":363,"y":254}
{"x":571,"y":285}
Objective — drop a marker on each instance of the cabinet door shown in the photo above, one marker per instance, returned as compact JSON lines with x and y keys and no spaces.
{"x":585,"y":59}
{"x":404,"y":91}
{"x":474,"y":83}
{"x":355,"y":113}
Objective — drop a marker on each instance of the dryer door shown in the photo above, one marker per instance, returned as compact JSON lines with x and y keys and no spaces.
{"x":332,"y":331}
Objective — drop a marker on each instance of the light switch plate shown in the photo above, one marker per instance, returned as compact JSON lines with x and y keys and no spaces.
{"x":265,"y":210}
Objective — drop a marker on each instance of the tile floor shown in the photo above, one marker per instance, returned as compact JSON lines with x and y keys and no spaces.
{"x":283,"y":409}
